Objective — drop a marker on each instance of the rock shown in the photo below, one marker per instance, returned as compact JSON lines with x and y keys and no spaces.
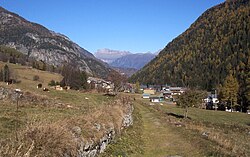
{"x":3,"y":93}
{"x":77,"y":131}
{"x":205,"y":134}
{"x":92,"y":153}
{"x":97,"y":126}
{"x":103,"y":147}
{"x":127,"y":120}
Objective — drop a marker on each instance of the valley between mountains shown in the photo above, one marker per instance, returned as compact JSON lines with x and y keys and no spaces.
{"x":189,"y":99}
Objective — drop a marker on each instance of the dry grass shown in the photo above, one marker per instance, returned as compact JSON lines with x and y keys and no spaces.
{"x":57,"y":138}
{"x":226,"y":133}
{"x":46,"y":119}
{"x":41,"y":140}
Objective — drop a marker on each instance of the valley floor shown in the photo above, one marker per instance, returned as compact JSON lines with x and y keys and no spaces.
{"x":160,"y":139}
{"x":155,"y":133}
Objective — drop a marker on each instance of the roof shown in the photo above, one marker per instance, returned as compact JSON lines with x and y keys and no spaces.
{"x":155,"y":97}
{"x":175,"y":88}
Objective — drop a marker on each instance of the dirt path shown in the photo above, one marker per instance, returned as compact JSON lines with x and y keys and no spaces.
{"x":160,"y":139}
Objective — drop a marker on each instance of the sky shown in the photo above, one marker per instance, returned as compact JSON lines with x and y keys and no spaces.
{"x":137,"y":26}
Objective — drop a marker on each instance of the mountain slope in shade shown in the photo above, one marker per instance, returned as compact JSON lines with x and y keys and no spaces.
{"x":108,"y":56}
{"x":42,"y":44}
{"x":215,"y":44}
{"x":136,"y":61}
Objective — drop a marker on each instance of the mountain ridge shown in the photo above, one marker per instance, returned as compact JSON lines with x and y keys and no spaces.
{"x":36,"y":41}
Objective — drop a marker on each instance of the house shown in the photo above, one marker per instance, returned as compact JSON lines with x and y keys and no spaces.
{"x":211,"y":101}
{"x":149,"y":91}
{"x":176,"y":90}
{"x":156,"y":99}
{"x":145,"y":96}
{"x":167,"y":94}
{"x":98,"y":83}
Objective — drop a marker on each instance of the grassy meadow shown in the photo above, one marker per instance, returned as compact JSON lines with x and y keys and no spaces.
{"x":47,"y":118}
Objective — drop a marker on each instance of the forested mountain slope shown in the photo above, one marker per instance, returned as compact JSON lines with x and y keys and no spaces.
{"x":215,"y":44}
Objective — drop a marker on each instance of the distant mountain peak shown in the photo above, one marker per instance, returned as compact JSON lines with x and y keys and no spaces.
{"x":135,"y":60}
{"x":108,"y":55}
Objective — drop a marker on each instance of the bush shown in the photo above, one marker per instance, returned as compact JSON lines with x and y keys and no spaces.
{"x":52,"y":83}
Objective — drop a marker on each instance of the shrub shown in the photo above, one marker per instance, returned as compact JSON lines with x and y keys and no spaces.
{"x":52,"y":83}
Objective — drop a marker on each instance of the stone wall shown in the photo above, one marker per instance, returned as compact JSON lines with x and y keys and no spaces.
{"x":91,"y":148}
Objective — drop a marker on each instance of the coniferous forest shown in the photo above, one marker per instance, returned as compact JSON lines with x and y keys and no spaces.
{"x":214,"y":46}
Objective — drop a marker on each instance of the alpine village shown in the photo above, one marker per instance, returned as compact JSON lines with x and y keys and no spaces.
{"x":192,"y":99}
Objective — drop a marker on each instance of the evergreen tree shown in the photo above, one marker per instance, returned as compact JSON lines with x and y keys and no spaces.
{"x":6,"y":73}
{"x":229,"y":91}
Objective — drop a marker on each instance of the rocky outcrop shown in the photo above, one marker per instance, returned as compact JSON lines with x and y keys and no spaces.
{"x":36,"y":41}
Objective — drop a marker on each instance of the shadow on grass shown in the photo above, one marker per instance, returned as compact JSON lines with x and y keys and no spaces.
{"x":176,"y":115}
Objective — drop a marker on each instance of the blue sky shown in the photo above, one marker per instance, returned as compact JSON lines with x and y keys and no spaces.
{"x":131,"y":25}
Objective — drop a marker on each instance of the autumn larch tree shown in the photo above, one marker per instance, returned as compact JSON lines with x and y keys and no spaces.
{"x":229,"y":91}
